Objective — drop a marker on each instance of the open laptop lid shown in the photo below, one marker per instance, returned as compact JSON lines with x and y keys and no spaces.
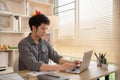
{"x":86,"y":60}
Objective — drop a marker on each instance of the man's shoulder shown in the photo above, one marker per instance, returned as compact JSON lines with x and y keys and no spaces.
{"x":24,"y":41}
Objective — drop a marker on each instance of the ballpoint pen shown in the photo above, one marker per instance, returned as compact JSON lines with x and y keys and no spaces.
{"x":96,"y":55}
{"x":51,"y":75}
{"x":104,"y":54}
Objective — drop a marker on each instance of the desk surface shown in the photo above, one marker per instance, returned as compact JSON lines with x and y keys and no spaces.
{"x":8,"y":70}
{"x":92,"y":73}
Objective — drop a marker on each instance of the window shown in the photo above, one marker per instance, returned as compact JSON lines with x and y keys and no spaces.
{"x":97,"y":24}
{"x":96,"y":19}
{"x":66,"y":12}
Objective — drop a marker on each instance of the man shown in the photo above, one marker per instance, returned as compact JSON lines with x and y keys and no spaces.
{"x":34,"y":52}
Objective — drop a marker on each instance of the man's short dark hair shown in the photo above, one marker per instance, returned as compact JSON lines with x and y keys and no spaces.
{"x":37,"y":20}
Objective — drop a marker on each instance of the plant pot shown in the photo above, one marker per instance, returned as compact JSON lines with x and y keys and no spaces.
{"x":104,"y":66}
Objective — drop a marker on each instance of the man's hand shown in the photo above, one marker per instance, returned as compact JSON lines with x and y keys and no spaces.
{"x":78,"y":62}
{"x":67,"y":66}
{"x":70,"y":65}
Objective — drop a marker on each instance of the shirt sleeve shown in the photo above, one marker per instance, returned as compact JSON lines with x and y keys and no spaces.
{"x":28,"y":58}
{"x":53,"y":55}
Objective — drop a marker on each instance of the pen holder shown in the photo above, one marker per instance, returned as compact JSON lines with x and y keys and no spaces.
{"x":101,"y":59}
{"x":104,"y":66}
{"x":99,"y":64}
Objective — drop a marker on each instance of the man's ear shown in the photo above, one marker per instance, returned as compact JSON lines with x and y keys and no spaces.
{"x":33,"y":28}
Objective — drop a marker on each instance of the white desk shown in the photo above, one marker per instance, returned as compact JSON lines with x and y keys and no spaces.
{"x":92,"y":73}
{"x":8,"y":70}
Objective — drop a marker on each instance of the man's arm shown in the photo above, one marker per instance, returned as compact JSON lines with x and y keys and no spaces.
{"x":63,"y":65}
{"x":32,"y":64}
{"x":62,"y":61}
{"x":47,"y":67}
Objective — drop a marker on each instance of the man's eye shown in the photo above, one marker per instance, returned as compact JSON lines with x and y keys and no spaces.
{"x":44,"y":29}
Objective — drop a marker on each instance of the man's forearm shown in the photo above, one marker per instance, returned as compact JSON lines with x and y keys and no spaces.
{"x":46,"y":67}
{"x":63,"y":65}
{"x":62,"y":61}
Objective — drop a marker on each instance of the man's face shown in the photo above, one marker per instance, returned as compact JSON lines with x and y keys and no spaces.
{"x":41,"y":30}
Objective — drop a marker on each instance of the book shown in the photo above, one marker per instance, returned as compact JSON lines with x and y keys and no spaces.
{"x":16,"y":23}
{"x":51,"y":75}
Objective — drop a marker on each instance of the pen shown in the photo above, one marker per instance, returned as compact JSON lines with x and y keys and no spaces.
{"x":96,"y":55}
{"x":52,"y":75}
{"x":104,"y":54}
{"x":99,"y":55}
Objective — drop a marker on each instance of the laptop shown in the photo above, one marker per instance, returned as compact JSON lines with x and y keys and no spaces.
{"x":84,"y":65}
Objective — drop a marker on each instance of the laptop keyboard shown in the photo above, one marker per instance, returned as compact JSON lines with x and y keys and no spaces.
{"x":77,"y":67}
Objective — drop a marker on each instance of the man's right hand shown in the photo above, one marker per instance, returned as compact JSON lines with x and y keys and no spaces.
{"x":66,"y":66}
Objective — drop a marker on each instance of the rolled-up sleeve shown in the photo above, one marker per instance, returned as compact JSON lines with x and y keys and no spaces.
{"x":53,"y":55}
{"x":28,"y":58}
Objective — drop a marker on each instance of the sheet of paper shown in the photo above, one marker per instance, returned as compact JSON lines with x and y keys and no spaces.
{"x":35,"y":73}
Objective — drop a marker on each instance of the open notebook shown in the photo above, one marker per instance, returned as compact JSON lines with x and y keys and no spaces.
{"x":11,"y":76}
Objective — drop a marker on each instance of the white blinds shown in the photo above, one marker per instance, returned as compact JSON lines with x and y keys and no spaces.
{"x":96,"y":22}
{"x":98,"y":29}
{"x":99,"y":26}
